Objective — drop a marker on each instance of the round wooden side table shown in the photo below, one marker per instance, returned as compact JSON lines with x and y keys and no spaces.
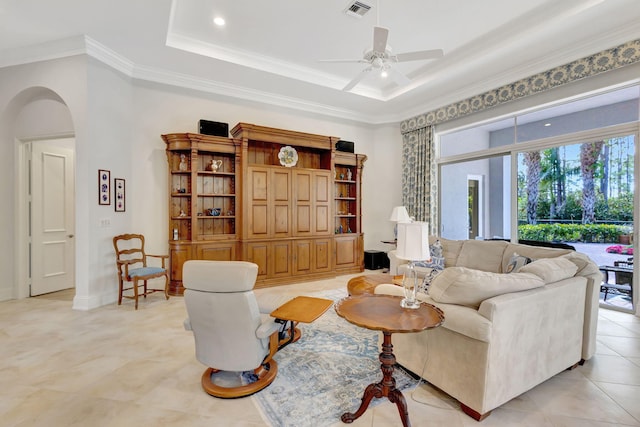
{"x":384,"y":313}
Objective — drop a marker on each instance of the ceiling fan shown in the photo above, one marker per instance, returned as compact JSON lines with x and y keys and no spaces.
{"x":382,"y":59}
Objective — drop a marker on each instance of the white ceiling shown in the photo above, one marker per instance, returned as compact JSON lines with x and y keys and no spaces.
{"x":269,"y":51}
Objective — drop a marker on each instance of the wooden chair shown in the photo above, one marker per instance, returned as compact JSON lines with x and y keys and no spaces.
{"x":131,"y":261}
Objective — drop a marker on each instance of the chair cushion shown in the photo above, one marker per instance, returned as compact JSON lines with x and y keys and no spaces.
{"x":145,"y":271}
{"x":465,"y":286}
{"x":219,"y":276}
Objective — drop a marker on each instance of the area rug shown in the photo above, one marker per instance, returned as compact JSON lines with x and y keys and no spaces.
{"x":325,"y":373}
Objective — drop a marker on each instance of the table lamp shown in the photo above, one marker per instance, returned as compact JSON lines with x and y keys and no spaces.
{"x":413,"y":245}
{"x":399,"y":214}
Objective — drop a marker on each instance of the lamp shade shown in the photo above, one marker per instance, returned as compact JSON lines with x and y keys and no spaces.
{"x":413,"y":241}
{"x":400,"y":214}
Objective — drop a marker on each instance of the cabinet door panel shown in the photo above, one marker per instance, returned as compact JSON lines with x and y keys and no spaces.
{"x":345,"y":252}
{"x":279,"y":185}
{"x":217,"y":252}
{"x":323,"y":213}
{"x":280,"y":220}
{"x":258,"y":221}
{"x":303,"y":221}
{"x":281,"y":259}
{"x":259,"y":179}
{"x":322,"y":219}
{"x":303,"y":186}
{"x":322,"y":188}
{"x":322,"y":258}
{"x":302,"y":256}
{"x":303,"y":191}
{"x":258,"y":254}
{"x":178,"y":254}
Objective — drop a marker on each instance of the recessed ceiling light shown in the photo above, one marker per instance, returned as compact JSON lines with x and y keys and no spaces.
{"x":219,"y":21}
{"x":547,"y":124}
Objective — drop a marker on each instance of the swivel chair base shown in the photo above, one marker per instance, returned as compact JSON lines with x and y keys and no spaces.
{"x":266,"y":373}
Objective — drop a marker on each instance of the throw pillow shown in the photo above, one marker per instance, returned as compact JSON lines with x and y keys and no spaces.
{"x":437,"y":259}
{"x":428,"y":278}
{"x":551,"y":269}
{"x":465,"y":286}
{"x":517,"y":262}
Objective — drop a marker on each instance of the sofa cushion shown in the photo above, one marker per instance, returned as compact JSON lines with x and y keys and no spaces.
{"x":533,"y":252}
{"x":465,"y":286}
{"x":551,"y":269}
{"x":450,"y":250}
{"x":463,"y":320}
{"x":482,"y":255}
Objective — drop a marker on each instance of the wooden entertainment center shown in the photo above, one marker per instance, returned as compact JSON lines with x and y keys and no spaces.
{"x":233,"y":199}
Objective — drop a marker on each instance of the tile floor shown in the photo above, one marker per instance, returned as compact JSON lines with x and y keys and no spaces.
{"x":114,"y":366}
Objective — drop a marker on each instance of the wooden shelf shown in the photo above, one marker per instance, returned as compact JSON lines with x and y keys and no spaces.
{"x":231,"y":174}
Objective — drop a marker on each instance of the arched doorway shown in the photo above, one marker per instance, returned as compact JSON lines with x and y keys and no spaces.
{"x":39,"y":117}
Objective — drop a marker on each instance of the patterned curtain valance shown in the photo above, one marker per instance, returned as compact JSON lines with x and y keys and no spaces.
{"x":611,"y":59}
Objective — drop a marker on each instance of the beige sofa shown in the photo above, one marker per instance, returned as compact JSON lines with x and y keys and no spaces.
{"x":503,"y":334}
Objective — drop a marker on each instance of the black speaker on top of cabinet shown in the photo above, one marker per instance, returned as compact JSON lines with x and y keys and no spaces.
{"x":346,"y":146}
{"x":207,"y":127}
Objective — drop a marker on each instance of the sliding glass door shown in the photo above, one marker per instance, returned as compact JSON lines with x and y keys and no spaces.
{"x":582,"y":193}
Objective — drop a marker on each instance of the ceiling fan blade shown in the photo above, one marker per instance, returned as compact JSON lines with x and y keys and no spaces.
{"x":344,"y":60}
{"x":398,"y":77}
{"x":357,"y":79}
{"x":380,"y":36}
{"x":419,"y":55}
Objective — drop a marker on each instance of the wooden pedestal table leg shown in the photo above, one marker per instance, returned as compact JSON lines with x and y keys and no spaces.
{"x":385,"y":388}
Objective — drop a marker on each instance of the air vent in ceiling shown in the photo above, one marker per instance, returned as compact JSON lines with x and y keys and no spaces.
{"x":357,"y":9}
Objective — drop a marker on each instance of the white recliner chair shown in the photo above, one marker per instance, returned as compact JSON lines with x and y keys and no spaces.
{"x":231,"y":335}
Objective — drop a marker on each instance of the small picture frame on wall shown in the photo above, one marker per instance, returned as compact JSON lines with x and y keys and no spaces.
{"x":104,"y":187}
{"x":119,"y":185}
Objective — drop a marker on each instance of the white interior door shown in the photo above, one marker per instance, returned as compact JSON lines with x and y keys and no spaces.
{"x":52,"y":216}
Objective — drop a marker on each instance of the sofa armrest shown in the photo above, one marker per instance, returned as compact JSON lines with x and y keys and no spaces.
{"x":395,"y":262}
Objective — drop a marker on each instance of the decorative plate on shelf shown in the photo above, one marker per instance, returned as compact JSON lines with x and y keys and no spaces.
{"x":288,"y":156}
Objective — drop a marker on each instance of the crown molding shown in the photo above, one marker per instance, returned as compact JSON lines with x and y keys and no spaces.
{"x":84,"y":45}
{"x":109,"y":57}
{"x":238,"y":92}
{"x":48,"y":51}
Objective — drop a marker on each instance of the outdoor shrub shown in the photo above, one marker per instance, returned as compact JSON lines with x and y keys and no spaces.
{"x":589,"y":233}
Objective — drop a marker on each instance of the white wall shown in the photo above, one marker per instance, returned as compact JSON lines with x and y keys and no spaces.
{"x":108,"y":146}
{"x":117,"y":123}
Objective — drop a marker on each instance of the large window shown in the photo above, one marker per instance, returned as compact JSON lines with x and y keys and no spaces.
{"x":564,"y":173}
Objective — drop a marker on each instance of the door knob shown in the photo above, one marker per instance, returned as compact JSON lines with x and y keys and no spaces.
{"x":70,"y":236}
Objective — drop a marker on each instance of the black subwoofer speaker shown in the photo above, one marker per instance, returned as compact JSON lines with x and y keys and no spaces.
{"x":374,"y":260}
{"x":207,"y":127}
